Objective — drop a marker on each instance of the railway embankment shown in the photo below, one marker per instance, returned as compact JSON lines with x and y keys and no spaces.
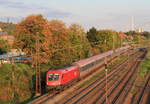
{"x":140,"y":92}
{"x":117,"y":84}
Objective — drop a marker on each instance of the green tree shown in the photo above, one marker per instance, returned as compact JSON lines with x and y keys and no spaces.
{"x":79,"y":42}
{"x":16,"y":82}
{"x":131,"y":33}
{"x":92,"y":36}
{"x":4,"y":46}
{"x":108,"y":39}
{"x":102,"y":40}
{"x":146,"y":34}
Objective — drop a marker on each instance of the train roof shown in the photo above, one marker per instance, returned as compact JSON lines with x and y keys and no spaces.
{"x":68,"y":67}
{"x":62,"y":70}
{"x":86,"y":61}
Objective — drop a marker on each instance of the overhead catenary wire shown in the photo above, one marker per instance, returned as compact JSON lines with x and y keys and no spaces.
{"x":56,"y":50}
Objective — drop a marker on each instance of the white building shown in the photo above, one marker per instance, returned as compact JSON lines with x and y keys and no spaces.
{"x":1,"y":30}
{"x":140,"y":30}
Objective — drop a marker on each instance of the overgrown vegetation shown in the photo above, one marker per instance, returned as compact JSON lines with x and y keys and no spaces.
{"x":4,"y":46}
{"x":145,"y":67}
{"x":16,"y":83}
{"x":118,"y":61}
{"x":142,"y":74}
{"x":93,"y":78}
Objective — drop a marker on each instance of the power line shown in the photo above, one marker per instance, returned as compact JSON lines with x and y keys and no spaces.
{"x":56,"y":50}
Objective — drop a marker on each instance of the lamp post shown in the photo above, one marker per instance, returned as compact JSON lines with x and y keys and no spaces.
{"x":37,"y":67}
{"x":113,"y":43}
{"x":106,"y":70}
{"x":113,"y":46}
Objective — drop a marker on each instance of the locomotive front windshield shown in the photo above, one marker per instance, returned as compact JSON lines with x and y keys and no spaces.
{"x":53,"y":77}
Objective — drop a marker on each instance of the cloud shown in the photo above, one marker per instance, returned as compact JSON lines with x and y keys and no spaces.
{"x":26,"y":9}
{"x":15,"y":5}
{"x":11,"y":4}
{"x":57,"y":14}
{"x":4,"y":2}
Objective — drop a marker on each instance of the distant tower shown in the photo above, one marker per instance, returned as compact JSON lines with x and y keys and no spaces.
{"x":132,"y":24}
{"x":8,"y":20}
{"x":1,"y":30}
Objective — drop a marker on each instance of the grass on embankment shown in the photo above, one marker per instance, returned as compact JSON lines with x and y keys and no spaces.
{"x":145,"y":67}
{"x":144,"y":70}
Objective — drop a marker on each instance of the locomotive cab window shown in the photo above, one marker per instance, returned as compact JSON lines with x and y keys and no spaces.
{"x":53,"y":77}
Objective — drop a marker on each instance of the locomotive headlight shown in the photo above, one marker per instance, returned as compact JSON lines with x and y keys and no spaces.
{"x":52,"y":83}
{"x":59,"y":83}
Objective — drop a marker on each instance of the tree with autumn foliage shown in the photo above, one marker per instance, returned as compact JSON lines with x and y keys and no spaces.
{"x":60,"y":44}
{"x":53,"y":37}
{"x":28,"y":30}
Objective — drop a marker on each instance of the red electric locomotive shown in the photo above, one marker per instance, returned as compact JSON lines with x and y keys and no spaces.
{"x":59,"y":78}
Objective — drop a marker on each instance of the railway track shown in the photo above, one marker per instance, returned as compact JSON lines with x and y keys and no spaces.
{"x":89,"y":94}
{"x":140,"y":92}
{"x":142,"y":95}
{"x":43,"y":98}
{"x":144,"y":99}
{"x":111,"y":79}
{"x":82,"y":94}
{"x":51,"y":94}
{"x":119,"y":95}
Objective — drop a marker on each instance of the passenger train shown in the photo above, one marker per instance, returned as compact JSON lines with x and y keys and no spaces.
{"x":62,"y":77}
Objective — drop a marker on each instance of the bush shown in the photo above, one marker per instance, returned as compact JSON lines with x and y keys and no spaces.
{"x":4,"y":46}
{"x":16,"y":82}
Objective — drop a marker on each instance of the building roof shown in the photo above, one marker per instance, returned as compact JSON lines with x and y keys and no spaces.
{"x":5,"y":56}
{"x":123,"y":35}
{"x":3,"y":33}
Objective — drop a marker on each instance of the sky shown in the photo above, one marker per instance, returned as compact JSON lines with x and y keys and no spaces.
{"x":102,"y":14}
